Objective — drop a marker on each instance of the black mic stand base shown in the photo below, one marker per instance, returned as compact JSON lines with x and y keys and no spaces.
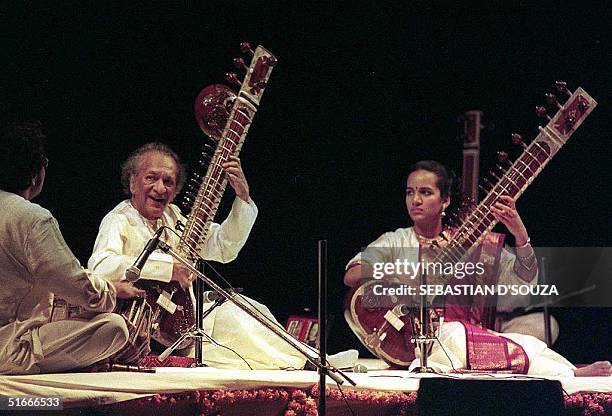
{"x":334,"y":373}
{"x":198,"y":334}
{"x":424,"y":344}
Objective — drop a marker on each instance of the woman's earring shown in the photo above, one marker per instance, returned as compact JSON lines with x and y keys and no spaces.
{"x":443,"y":214}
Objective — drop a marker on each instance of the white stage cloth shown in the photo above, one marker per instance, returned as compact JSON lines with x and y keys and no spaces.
{"x":93,"y":389}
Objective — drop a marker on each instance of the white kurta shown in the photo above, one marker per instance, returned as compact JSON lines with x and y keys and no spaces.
{"x":35,"y":262}
{"x":123,"y":234}
{"x":402,"y":244}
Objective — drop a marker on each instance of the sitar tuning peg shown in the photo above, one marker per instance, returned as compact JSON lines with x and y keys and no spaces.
{"x":467,"y":202}
{"x":270,"y":60}
{"x":562,"y":87}
{"x":245,"y":47}
{"x":502,"y":157}
{"x":518,"y":140}
{"x":452,"y":220}
{"x":541,"y":112}
{"x":233,"y":78}
{"x":552,"y":100}
{"x":239,"y":63}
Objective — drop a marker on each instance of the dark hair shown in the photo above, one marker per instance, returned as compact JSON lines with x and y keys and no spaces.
{"x":448,"y":184}
{"x":132,"y":165}
{"x":446,"y":178}
{"x":22,"y":155}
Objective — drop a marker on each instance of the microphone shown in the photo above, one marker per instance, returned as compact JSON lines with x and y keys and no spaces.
{"x":132,"y":274}
{"x":213,"y":296}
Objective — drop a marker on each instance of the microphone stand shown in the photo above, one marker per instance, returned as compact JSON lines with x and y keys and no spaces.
{"x":423,"y":340}
{"x":197,"y":330}
{"x":334,"y":373}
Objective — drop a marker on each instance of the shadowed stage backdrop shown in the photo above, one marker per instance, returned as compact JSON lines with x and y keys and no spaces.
{"x":362,"y":89}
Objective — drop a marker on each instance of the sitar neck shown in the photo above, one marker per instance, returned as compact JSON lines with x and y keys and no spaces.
{"x":520,"y":174}
{"x":210,"y":111}
{"x":215,"y":181}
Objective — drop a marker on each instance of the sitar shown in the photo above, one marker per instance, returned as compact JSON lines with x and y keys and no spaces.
{"x":387,"y":331}
{"x":225,"y":117}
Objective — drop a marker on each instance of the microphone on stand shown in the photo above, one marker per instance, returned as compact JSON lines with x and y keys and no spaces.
{"x":210,"y":296}
{"x":213,"y":296}
{"x":132,"y":274}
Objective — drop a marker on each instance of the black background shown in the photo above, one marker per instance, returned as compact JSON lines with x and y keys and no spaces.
{"x":362,"y":90}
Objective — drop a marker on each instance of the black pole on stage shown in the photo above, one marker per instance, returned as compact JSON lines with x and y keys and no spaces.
{"x":322,"y":322}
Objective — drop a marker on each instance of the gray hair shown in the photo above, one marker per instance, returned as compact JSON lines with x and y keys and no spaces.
{"x":131,"y":166}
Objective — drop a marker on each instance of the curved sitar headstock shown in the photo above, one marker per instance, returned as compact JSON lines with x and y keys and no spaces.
{"x":257,"y":73}
{"x":214,"y":103}
{"x":513,"y":178}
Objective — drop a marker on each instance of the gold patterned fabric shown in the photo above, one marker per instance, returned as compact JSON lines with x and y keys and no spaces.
{"x":487,"y":351}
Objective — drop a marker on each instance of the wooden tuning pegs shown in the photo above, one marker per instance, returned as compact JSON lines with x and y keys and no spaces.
{"x":502,"y":157}
{"x":541,"y":112}
{"x":552,"y":100}
{"x":245,"y":47}
{"x":562,"y":87}
{"x":452,"y":220}
{"x":233,"y":78}
{"x":239,"y":63}
{"x":518,"y":140}
{"x":271,"y":61}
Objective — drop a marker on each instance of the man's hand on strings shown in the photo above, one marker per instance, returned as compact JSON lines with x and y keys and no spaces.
{"x":236,"y":177}
{"x":182,"y":275}
{"x":127,"y":290}
{"x":505,"y":212}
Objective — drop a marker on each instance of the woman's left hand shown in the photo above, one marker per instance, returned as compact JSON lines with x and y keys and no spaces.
{"x":505,"y":212}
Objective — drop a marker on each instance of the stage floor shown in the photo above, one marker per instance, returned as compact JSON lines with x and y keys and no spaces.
{"x":80,"y":390}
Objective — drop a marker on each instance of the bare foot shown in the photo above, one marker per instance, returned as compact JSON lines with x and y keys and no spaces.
{"x":597,"y":369}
